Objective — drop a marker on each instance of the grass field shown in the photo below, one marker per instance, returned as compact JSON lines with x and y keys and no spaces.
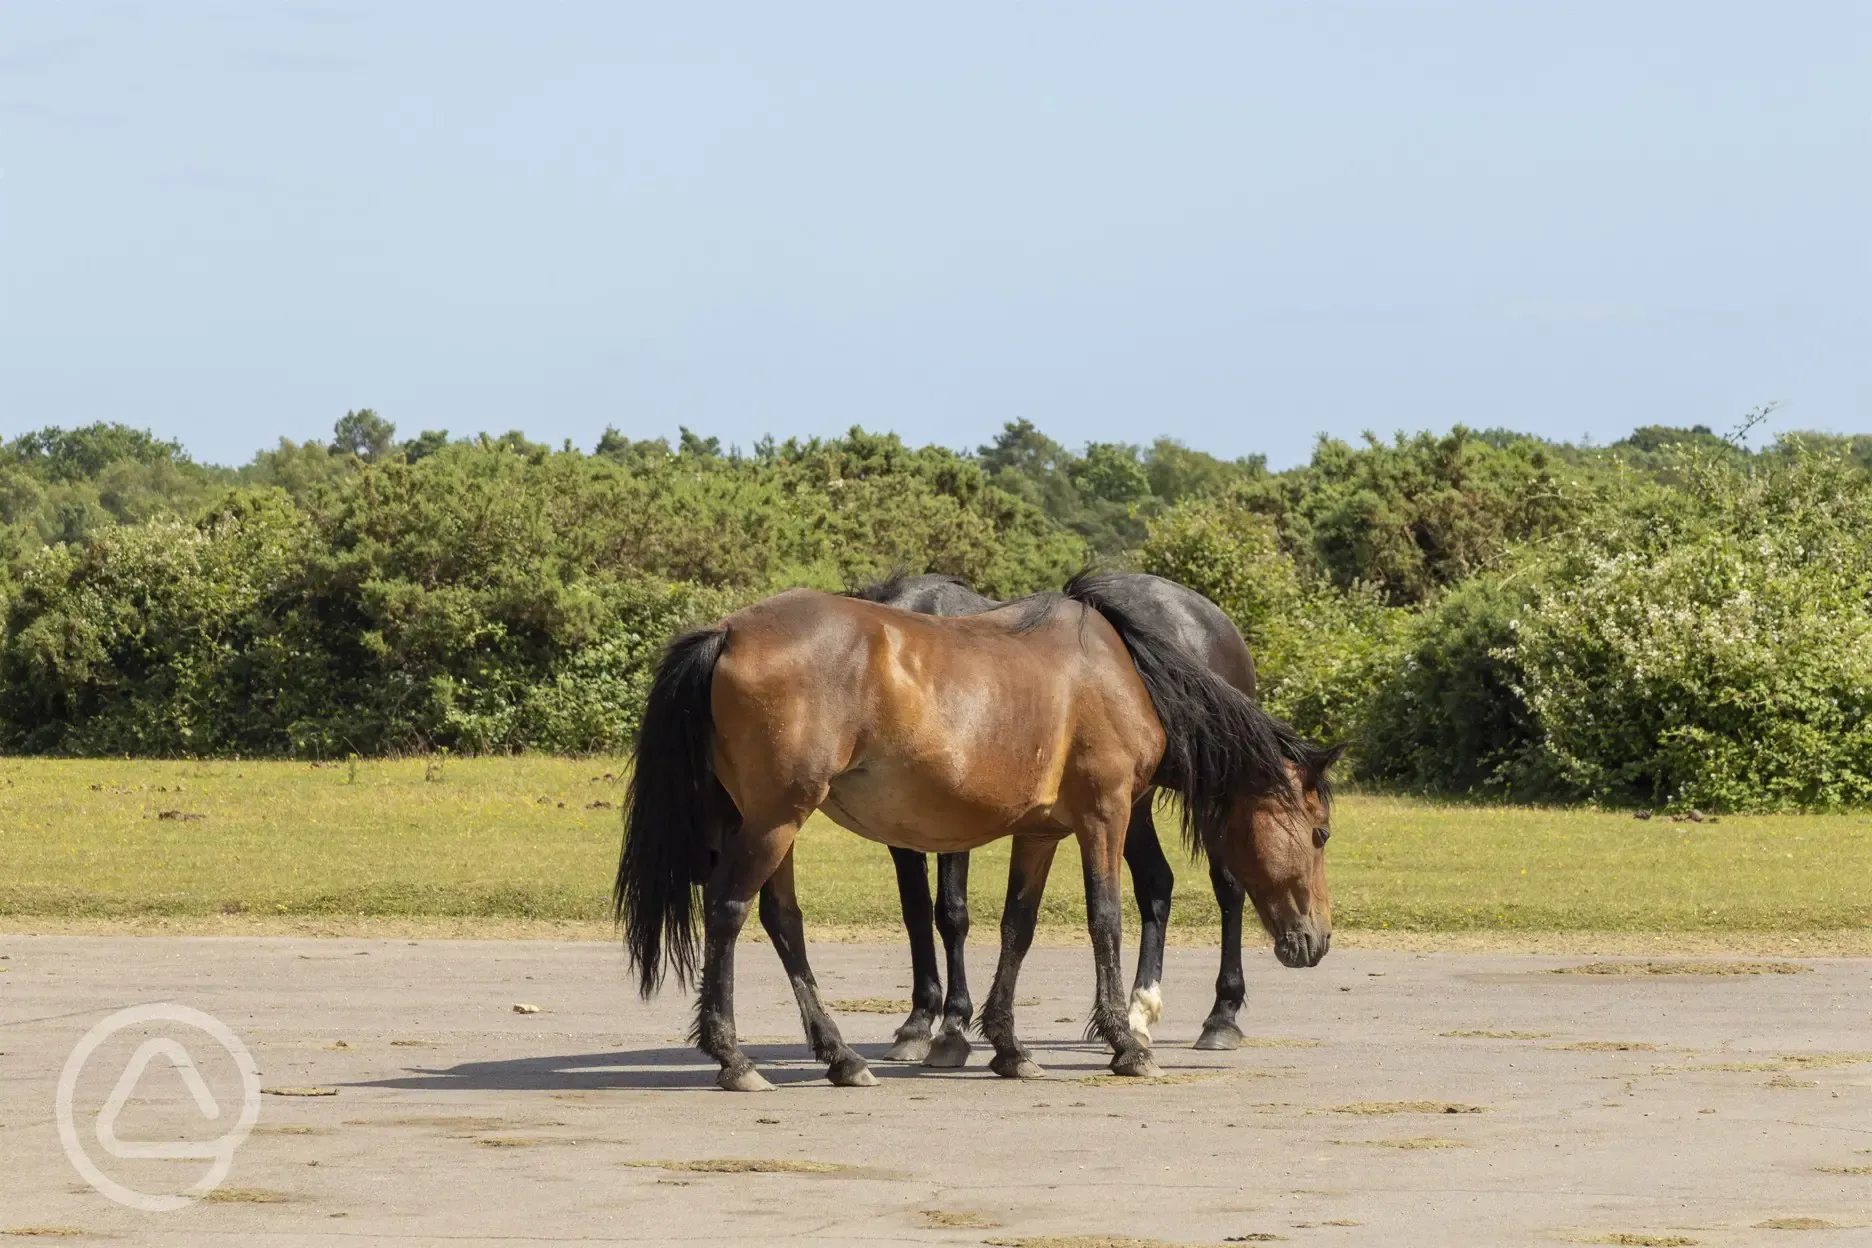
{"x":537,"y":838}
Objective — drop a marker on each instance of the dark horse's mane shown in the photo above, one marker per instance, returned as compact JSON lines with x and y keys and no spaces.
{"x":1218,"y":743}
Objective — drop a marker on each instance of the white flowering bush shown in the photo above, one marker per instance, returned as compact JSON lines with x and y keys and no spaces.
{"x":1722,"y":659}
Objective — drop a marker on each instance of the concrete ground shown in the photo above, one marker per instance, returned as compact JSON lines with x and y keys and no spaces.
{"x":1633,"y":1109}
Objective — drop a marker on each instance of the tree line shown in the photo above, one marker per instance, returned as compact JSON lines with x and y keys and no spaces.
{"x":1673,"y":619}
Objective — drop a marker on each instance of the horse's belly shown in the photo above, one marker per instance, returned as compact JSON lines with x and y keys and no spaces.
{"x":900,"y":807}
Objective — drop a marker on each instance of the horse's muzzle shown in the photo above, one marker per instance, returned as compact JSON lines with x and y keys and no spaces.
{"x":1302,"y":944}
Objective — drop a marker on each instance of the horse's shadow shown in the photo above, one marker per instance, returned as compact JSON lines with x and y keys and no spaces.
{"x":682,"y":1069}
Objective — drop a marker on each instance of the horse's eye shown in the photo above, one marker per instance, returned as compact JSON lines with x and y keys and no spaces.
{"x":1320,"y":836}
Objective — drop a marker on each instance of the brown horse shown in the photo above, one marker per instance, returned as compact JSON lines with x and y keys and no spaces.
{"x":1042,"y":719}
{"x":1212,"y":639}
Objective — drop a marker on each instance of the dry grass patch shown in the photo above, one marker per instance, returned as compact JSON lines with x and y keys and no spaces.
{"x":510,"y":1141}
{"x":1643,"y":1241}
{"x":1789,"y":1081}
{"x":1684,"y":968}
{"x":454,"y":1124}
{"x":1784,"y":1061}
{"x":1733,"y":1067}
{"x":1798,"y":1224}
{"x":943,"y":1219}
{"x":1844,"y":1169}
{"x":290,"y":1128}
{"x":1607,"y":1046}
{"x":870,"y":1005}
{"x":426,"y":1120}
{"x":248,"y":1196}
{"x":1817,"y":1061}
{"x":746,"y":1165}
{"x":1499,"y":1035}
{"x":49,"y":1232}
{"x":300,"y":1091}
{"x":1414,"y":1142}
{"x":1167,"y":1079}
{"x":1117,"y":1241}
{"x":1372,"y":1109}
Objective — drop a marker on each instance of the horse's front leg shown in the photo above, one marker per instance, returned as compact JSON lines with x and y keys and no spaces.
{"x":1220,"y":1029}
{"x":951,"y":1046}
{"x":1027,"y":873}
{"x":913,"y":895}
{"x":1152,"y":881}
{"x":748,"y":858}
{"x":1101,"y":847}
{"x":780,"y":915}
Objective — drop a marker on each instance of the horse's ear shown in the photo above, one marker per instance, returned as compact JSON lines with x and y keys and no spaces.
{"x":1324,"y":759}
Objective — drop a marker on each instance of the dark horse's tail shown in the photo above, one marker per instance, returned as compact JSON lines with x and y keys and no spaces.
{"x":676,"y":816}
{"x":1218,"y":743}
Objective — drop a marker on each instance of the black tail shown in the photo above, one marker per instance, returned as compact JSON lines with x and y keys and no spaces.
{"x":1218,"y":743}
{"x":676,"y":814}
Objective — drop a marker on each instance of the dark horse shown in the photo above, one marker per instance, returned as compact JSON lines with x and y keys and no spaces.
{"x":1212,"y":638}
{"x":1047,"y":718}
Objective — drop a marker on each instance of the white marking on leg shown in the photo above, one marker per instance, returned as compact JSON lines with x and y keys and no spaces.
{"x":1146,"y":1008}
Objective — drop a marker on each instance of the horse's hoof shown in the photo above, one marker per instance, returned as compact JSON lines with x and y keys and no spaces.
{"x":1219,"y":1036}
{"x":909,"y":1049}
{"x":851,"y":1072}
{"x":948,"y":1051}
{"x":1139,"y":1065}
{"x":1013,"y":1066}
{"x":748,"y":1080}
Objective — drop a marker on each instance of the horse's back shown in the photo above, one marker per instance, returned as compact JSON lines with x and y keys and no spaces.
{"x":1191,"y":620}
{"x":924,"y":731}
{"x":931,"y":594}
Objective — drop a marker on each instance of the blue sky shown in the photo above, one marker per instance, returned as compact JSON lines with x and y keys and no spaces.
{"x":1238,"y":224}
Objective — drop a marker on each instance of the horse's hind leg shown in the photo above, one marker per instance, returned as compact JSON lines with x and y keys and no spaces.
{"x":1027,"y":873}
{"x":913,"y":893}
{"x":1220,"y":1030}
{"x":1152,"y":880}
{"x":951,"y":1047}
{"x":780,"y":915}
{"x":748,"y":858}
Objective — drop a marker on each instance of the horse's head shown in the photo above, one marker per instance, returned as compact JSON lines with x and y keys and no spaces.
{"x":1276,"y":850}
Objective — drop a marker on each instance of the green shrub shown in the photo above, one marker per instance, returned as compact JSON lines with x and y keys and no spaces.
{"x":488,"y":595}
{"x":1671,"y":620}
{"x":1422,"y":513}
{"x":1324,"y":661}
{"x":1232,"y":555}
{"x":1447,"y":717}
{"x":1722,"y":660}
{"x":133,"y":642}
